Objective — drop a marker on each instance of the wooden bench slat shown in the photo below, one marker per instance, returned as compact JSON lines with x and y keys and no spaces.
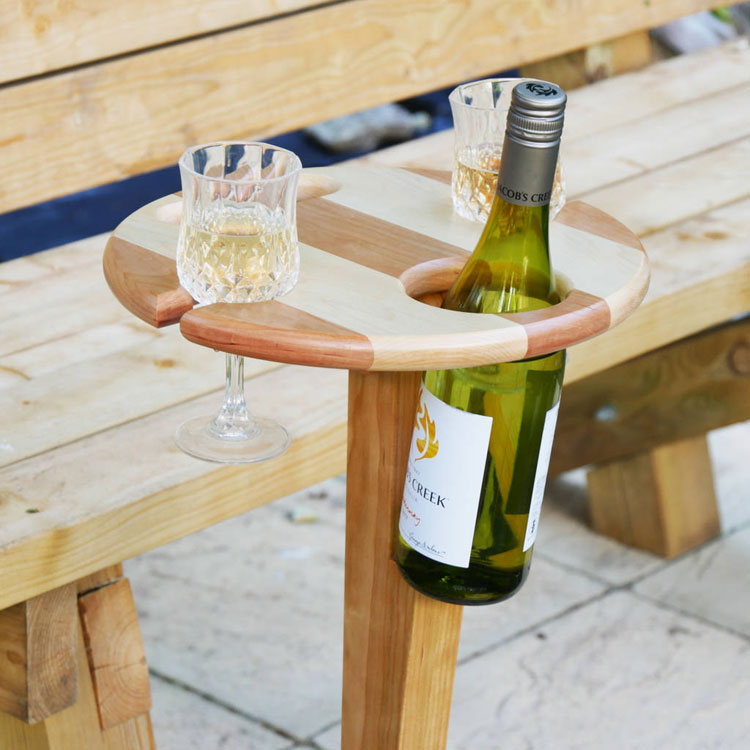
{"x":678,"y":191}
{"x":675,"y":134}
{"x":669,"y":83}
{"x":302,"y":68}
{"x":45,"y":36}
{"x":609,"y":104}
{"x":77,"y":401}
{"x":701,"y":278}
{"x":78,"y":348}
{"x":121,"y":492}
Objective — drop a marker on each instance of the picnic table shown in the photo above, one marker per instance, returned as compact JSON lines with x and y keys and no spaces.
{"x":91,"y":397}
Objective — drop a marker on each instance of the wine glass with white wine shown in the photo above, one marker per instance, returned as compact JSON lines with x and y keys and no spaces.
{"x":237,"y":244}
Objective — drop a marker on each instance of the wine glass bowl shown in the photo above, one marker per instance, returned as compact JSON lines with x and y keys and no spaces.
{"x":237,"y":244}
{"x":238,"y":236}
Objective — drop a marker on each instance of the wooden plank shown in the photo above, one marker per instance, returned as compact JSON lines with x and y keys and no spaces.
{"x":662,"y":501}
{"x":665,"y":196}
{"x":115,"y":653}
{"x":121,"y":492}
{"x":346,"y":56}
{"x":594,"y":63}
{"x":687,"y":293}
{"x":608,"y":104}
{"x":77,"y":727}
{"x":39,"y":676}
{"x":135,"y":733}
{"x":669,"y":83}
{"x":77,"y":348}
{"x":46,"y":35}
{"x":399,"y":646}
{"x":19,"y":735}
{"x":145,"y":282}
{"x":69,"y":404}
{"x":98,"y":579}
{"x":13,"y":659}
{"x":668,"y":137}
{"x":680,"y":391}
{"x":26,"y":271}
{"x":50,"y":657}
{"x":79,"y":298}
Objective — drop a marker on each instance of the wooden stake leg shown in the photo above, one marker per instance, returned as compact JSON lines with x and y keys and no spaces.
{"x":662,"y":501}
{"x":399,"y":646}
{"x":102,"y":658}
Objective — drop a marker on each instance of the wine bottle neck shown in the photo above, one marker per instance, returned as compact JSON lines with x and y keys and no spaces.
{"x":527,"y":172}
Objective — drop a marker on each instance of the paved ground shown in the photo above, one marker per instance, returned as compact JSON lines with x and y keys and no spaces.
{"x":605,"y":647}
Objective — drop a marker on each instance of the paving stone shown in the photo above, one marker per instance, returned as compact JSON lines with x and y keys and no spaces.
{"x":729,"y":457}
{"x":712,"y":582}
{"x":548,"y":591}
{"x":619,"y":673}
{"x":185,"y":721}
{"x":250,"y":611}
{"x":565,"y":536}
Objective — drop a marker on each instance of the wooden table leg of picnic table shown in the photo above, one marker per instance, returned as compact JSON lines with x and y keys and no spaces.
{"x":662,"y":500}
{"x":399,"y":646}
{"x":73,"y":675}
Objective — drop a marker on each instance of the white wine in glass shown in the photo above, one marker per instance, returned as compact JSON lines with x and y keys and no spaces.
{"x":237,"y":244}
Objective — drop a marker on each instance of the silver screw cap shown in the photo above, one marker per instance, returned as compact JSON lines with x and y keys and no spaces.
{"x":536,"y":112}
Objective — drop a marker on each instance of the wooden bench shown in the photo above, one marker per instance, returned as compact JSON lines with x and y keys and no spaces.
{"x":90,"y":396}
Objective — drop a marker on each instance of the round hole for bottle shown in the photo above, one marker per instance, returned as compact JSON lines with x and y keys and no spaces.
{"x":429,"y":282}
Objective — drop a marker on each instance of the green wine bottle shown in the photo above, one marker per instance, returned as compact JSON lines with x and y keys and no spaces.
{"x":483,"y":435}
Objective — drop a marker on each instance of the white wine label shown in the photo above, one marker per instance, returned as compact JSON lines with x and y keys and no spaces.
{"x":444,"y":480}
{"x":540,"y":478}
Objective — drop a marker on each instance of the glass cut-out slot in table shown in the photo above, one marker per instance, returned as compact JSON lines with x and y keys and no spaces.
{"x":371,"y":240}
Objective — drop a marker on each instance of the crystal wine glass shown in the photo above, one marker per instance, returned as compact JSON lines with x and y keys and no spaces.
{"x":237,"y":243}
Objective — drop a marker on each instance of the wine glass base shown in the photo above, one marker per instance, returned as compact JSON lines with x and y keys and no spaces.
{"x":195,"y":438}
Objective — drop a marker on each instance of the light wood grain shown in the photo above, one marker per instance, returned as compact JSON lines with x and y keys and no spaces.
{"x":676,"y":192}
{"x":665,"y":138}
{"x":351,"y":309}
{"x":679,"y":391}
{"x":662,"y":501}
{"x":38,"y":639}
{"x":626,"y":101}
{"x":595,"y":62}
{"x":46,"y":35}
{"x":145,"y":282}
{"x":13,"y":674}
{"x":98,"y":579}
{"x":77,"y":727}
{"x":115,"y":653}
{"x":76,"y":401}
{"x":399,"y":646}
{"x":120,"y":492}
{"x":344,"y":57}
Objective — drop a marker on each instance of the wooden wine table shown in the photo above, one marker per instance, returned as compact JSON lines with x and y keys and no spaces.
{"x":372,"y":239}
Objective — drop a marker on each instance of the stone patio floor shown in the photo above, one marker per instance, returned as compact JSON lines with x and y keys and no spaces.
{"x":605,"y":647}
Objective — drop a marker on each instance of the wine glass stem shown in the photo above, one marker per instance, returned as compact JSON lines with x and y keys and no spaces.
{"x":234,"y":419}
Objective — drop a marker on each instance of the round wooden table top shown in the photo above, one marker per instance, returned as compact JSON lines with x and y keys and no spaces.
{"x":369,"y":238}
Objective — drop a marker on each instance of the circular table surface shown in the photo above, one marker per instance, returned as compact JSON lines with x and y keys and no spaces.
{"x":369,"y":238}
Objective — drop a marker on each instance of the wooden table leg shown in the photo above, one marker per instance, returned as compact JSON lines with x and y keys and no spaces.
{"x":70,"y":682}
{"x":399,"y":646}
{"x":662,"y":501}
